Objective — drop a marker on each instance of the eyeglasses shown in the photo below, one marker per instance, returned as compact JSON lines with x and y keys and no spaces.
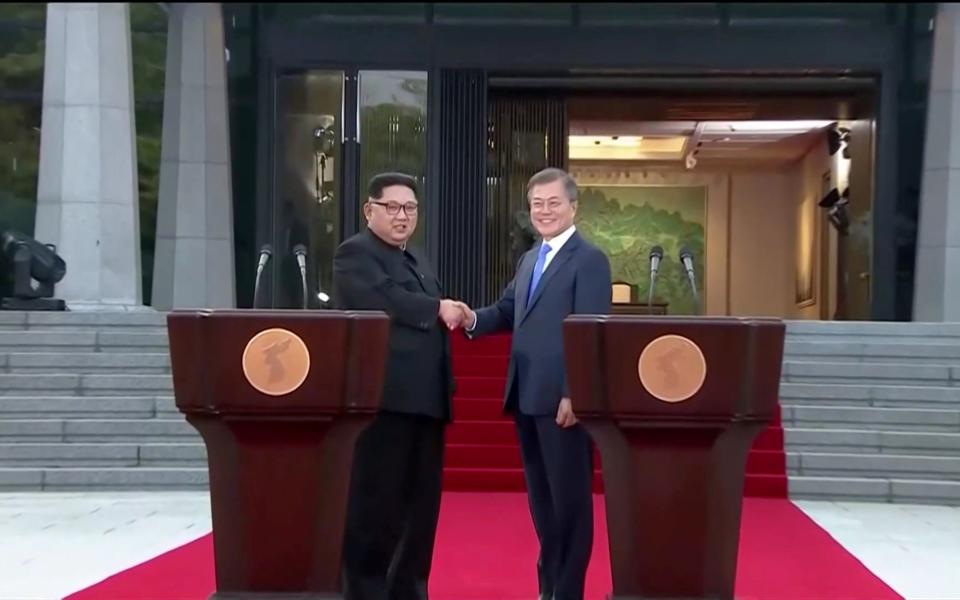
{"x":541,"y":206}
{"x":393,"y":208}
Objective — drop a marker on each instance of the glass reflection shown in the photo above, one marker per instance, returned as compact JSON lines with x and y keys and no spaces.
{"x":308,"y":187}
{"x":393,"y":130}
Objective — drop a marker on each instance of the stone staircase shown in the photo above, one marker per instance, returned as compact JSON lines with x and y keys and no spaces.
{"x":871,"y":410}
{"x":86,"y":402}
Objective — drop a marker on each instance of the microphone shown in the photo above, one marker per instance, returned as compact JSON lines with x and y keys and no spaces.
{"x":266,"y":251}
{"x":656,"y":255}
{"x":686,"y":258}
{"x":300,"y":251}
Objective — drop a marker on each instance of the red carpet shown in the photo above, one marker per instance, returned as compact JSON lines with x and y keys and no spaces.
{"x":482,"y":451}
{"x":486,"y":550}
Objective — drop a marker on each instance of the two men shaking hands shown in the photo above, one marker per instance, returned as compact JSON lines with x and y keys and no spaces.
{"x":456,"y":314}
{"x":398,"y":462}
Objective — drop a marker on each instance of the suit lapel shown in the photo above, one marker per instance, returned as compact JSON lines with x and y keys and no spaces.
{"x":555,"y":265}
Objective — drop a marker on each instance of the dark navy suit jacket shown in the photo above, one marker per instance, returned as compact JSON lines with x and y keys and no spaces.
{"x":577,"y":281}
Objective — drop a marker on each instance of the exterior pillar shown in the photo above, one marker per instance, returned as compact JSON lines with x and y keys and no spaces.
{"x":87,"y":195}
{"x":937,"y":282}
{"x":194,"y":261}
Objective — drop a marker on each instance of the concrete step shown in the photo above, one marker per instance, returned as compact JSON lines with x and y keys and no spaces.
{"x":101,"y":478}
{"x":51,"y":455}
{"x":147,"y":321}
{"x":870,"y":373}
{"x":85,"y":385}
{"x":156,"y":363}
{"x":102,"y":340}
{"x":895,"y":351}
{"x":871,"y":418}
{"x":97,"y":430}
{"x":19,"y":454}
{"x":86,"y":407}
{"x":853,"y":441}
{"x":827,"y":394}
{"x":826,"y":464}
{"x":872,"y":330}
{"x":912,"y":491}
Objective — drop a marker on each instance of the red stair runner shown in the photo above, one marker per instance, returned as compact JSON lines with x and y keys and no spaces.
{"x":482,"y":452}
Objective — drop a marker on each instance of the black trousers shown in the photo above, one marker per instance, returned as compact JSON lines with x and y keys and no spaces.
{"x":393,"y":508}
{"x":558,"y":467}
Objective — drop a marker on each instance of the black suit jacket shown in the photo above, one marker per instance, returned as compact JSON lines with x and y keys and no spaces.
{"x":369,"y":274}
{"x":577,"y":281}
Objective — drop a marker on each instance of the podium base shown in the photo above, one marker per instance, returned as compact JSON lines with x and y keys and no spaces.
{"x":272,"y":596}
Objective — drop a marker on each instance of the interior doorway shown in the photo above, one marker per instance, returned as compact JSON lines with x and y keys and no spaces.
{"x":768,"y":187}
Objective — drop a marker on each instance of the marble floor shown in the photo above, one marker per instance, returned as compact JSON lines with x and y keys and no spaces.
{"x":85,"y":537}
{"x":915,"y":549}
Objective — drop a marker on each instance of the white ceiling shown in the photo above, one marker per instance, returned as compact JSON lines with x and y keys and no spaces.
{"x":714,"y":141}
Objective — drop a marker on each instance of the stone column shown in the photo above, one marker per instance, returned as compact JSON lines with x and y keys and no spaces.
{"x":193,"y":265}
{"x":87,"y":195}
{"x":937,"y":277}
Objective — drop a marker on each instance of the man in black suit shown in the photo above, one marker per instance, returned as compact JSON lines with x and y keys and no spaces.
{"x":397,"y":473}
{"x":563,"y":274}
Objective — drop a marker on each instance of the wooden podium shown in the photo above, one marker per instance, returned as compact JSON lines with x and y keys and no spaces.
{"x":279,"y":398}
{"x":674,"y":405}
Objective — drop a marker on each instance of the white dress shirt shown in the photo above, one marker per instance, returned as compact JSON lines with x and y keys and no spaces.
{"x":557,"y":243}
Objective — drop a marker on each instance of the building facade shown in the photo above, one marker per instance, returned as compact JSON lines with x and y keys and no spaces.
{"x":161,"y":147}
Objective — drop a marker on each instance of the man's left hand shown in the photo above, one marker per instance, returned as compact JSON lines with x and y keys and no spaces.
{"x":565,"y":416}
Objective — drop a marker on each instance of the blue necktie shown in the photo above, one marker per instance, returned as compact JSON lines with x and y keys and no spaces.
{"x":538,"y":270}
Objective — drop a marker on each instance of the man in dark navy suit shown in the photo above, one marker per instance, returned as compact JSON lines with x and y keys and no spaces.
{"x":397,"y":473}
{"x":562,"y":275}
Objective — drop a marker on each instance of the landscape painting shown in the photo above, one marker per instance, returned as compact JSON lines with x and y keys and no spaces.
{"x":626,"y":221}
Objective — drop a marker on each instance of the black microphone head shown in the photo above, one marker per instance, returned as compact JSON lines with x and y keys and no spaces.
{"x":656,"y":251}
{"x":300,"y":250}
{"x":685,"y":253}
{"x":266,"y":249}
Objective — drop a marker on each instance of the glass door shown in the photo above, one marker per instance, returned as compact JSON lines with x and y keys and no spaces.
{"x":393,"y":132}
{"x":333,"y":131}
{"x":308,"y":191}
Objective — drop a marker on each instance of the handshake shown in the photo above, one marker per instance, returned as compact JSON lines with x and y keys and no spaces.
{"x":456,"y":314}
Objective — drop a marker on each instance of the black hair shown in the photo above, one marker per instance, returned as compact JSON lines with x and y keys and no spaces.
{"x":384,"y":180}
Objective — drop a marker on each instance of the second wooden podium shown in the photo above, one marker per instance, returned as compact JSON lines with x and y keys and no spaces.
{"x":674,"y":405}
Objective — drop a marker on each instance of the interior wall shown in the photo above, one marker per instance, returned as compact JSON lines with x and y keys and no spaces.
{"x":762,"y":243}
{"x":753,"y":230}
{"x":816,"y":173}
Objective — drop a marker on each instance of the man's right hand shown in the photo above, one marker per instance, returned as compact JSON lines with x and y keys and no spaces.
{"x":451,"y":313}
{"x":469,"y":317}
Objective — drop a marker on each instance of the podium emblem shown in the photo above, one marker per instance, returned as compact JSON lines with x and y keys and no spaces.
{"x":672,"y":368}
{"x":276,"y":362}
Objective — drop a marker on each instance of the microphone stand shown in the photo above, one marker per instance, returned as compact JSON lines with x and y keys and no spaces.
{"x":653,"y":283}
{"x":693,"y":289}
{"x":303,"y":279}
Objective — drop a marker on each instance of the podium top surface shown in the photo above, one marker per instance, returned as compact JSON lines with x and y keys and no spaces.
{"x":261,"y":314}
{"x":677,"y":320}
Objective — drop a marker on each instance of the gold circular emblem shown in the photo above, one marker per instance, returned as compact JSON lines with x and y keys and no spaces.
{"x":672,"y":368}
{"x":276,"y":361}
